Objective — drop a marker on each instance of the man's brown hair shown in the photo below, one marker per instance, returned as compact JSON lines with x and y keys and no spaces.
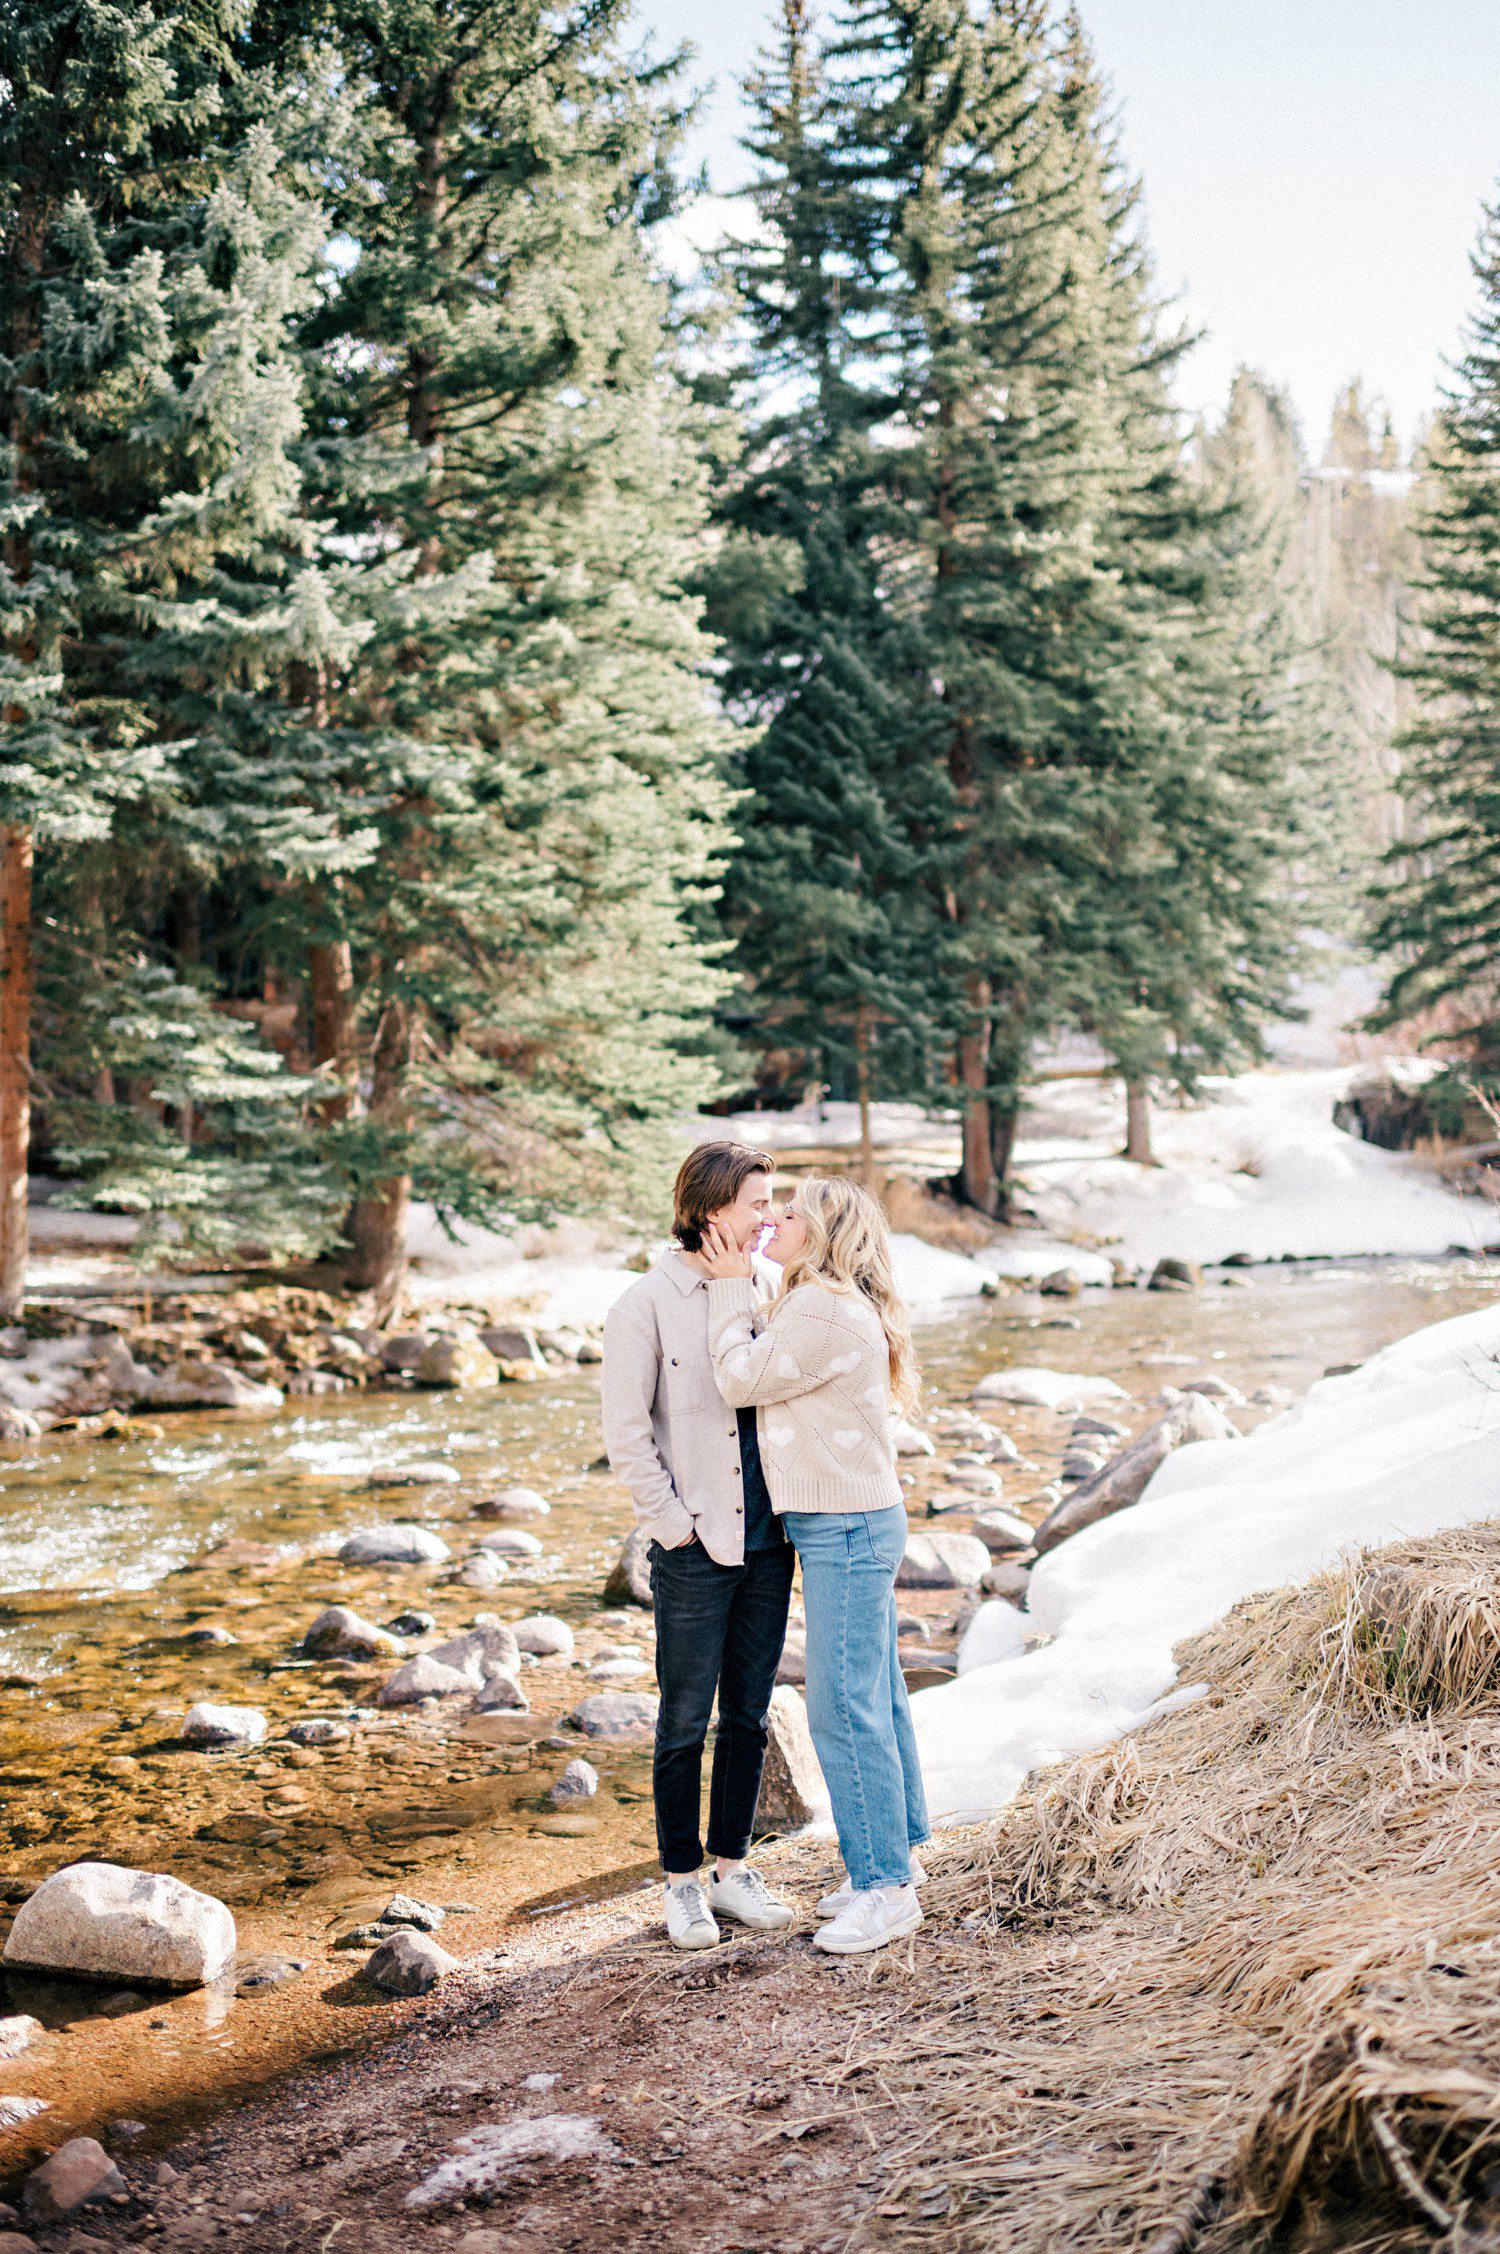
{"x":709,"y":1179}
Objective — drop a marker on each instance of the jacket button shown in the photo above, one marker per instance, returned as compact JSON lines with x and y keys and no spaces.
{"x":736,"y":1471}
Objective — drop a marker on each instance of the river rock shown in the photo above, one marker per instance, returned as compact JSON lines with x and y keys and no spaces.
{"x":78,"y":2174}
{"x":630,"y":1714}
{"x":630,"y":1578}
{"x":394,"y":1545}
{"x":110,"y":1923}
{"x":422,"y":1678}
{"x":480,"y":1570}
{"x":1001,"y":1531}
{"x":544,"y":1636}
{"x":18,"y":1424}
{"x":409,"y":1964}
{"x":997,"y":1631}
{"x":909,"y":1439}
{"x":1175,"y":1275}
{"x":207,"y":1724}
{"x":319,"y":1729}
{"x":514,"y":1506}
{"x":211,"y":1385}
{"x":792,"y":1665}
{"x":339,"y":1633}
{"x":1097,"y":1428}
{"x":1123,"y":1482}
{"x":501,"y":1694}
{"x":975,"y":1479}
{"x":511,"y":1541}
{"x":1062,"y":1283}
{"x":610,"y":1669}
{"x":435,"y":1474}
{"x":210,"y":1633}
{"x":412,"y":1624}
{"x":405,"y":1909}
{"x":513,"y":1342}
{"x":1007,"y":1577}
{"x":18,"y":2033}
{"x":579,"y":1781}
{"x":1081,"y":1463}
{"x":792,"y":1791}
{"x":456,"y":1363}
{"x":401,"y":1353}
{"x":942,"y":1561}
{"x":488,"y":1648}
{"x":1047,"y":1389}
{"x":1216,"y":1389}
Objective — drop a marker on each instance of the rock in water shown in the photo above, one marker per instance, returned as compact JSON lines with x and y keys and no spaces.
{"x":942,"y":1561}
{"x":513,"y":1342}
{"x":413,"y":1475}
{"x":1175,"y":1275}
{"x":544,"y":1636}
{"x":792,"y":1791}
{"x":512,"y":1541}
{"x":615,"y":1714}
{"x":410,"y":1964}
{"x":79,"y":2173}
{"x":18,"y":1424}
{"x":1046,"y":1389}
{"x":579,"y":1781}
{"x":422,"y":1678}
{"x":207,"y":1724}
{"x":480,"y":1570}
{"x":457,"y":1364}
{"x":501,"y":1694}
{"x":319,"y":1729}
{"x":978,"y":1479}
{"x":339,"y":1633}
{"x":514,"y":1505}
{"x":211,"y":1385}
{"x":1063,"y":1283}
{"x":1123,"y":1481}
{"x":18,"y":2033}
{"x":490,"y":1648}
{"x":630,"y":1580}
{"x":400,"y":1544}
{"x":111,"y":1923}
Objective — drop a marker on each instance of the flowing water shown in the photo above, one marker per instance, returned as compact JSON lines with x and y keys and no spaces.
{"x":114,"y":1553}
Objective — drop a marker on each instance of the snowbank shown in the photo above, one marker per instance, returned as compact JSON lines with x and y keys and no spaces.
{"x":560,"y":1277}
{"x":1259,"y":1168}
{"x":1406,"y":1445}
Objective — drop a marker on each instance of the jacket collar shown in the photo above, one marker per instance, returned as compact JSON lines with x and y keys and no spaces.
{"x":676,"y":1268}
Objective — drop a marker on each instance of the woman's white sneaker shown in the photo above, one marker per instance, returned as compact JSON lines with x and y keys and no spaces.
{"x":744,"y":1896}
{"x":690,"y":1921}
{"x":877,"y":1915}
{"x":842,"y":1896}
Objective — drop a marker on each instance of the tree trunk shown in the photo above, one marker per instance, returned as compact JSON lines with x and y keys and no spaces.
{"x":1138,"y":1122}
{"x":1003,"y":1122}
{"x":862,"y":1087}
{"x":330,"y":974}
{"x":977,"y":1184}
{"x":376,"y":1223}
{"x":16,"y":851}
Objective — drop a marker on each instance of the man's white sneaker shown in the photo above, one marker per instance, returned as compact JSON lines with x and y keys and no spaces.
{"x":875,"y":1916}
{"x":745,"y":1897}
{"x":842,"y":1896}
{"x":690,"y":1921}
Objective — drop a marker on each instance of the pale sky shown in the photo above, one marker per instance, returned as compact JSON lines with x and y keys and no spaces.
{"x":1313,"y":172}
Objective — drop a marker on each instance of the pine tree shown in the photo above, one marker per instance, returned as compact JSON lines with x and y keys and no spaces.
{"x":1440,"y":910}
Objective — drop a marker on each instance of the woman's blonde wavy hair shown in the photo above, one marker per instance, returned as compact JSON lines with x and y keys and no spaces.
{"x":848,"y":1248}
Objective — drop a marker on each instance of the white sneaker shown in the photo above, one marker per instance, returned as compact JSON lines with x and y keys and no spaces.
{"x":690,"y":1921}
{"x":745,"y":1897}
{"x":842,"y":1896}
{"x":876,"y":1915}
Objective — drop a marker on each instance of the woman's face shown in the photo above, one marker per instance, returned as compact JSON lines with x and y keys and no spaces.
{"x":788,"y":1237}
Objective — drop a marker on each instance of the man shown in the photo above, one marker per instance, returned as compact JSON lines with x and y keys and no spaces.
{"x":721,"y":1566}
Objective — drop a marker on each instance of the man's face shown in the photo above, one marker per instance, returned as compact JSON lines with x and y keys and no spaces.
{"x":751,"y":1211}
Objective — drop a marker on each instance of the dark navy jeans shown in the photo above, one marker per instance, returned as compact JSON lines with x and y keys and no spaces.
{"x":718,"y":1628}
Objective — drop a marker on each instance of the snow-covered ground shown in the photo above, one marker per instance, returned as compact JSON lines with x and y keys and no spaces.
{"x":1406,"y":1445}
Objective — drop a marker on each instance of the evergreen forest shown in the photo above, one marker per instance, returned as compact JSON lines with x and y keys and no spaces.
{"x":472,"y":697}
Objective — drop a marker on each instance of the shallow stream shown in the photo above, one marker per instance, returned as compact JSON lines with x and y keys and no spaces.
{"x":114,"y":1552}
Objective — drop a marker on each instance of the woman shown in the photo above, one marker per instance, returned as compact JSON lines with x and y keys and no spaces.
{"x":823,"y":1366}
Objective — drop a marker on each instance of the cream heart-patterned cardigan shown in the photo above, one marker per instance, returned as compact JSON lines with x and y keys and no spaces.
{"x":816,"y":1367}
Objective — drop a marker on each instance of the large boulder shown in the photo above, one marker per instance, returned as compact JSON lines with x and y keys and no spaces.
{"x":1046,"y":1389}
{"x":457,"y":1363}
{"x":942,"y":1561}
{"x":409,"y":1964}
{"x":792,"y":1790}
{"x":339,"y":1633}
{"x":78,"y":2175}
{"x":109,"y":1923}
{"x":394,"y":1545}
{"x":630,"y":1577}
{"x":190,"y":1384}
{"x":1124,"y":1480}
{"x":629,"y":1714}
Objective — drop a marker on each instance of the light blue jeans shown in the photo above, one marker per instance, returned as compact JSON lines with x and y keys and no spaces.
{"x":856,"y":1699}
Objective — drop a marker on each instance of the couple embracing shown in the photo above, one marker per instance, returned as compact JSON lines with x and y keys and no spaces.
{"x":753,"y":1431}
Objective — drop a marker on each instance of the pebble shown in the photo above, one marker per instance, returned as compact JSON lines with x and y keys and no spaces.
{"x":544,"y":1636}
{"x":410,"y":1964}
{"x":339,"y":1633}
{"x":207,"y":1724}
{"x":398,"y":1544}
{"x":512,"y":1541}
{"x":514,"y":1505}
{"x":319,"y":1729}
{"x":579,"y":1781}
{"x":413,"y":1475}
{"x":78,"y":2173}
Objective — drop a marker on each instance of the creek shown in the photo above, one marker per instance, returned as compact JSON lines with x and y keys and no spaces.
{"x":115,"y":1553}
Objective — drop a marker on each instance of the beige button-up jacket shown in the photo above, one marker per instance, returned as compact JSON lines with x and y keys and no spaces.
{"x":667,"y":1430}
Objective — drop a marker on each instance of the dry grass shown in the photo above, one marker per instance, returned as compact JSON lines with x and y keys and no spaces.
{"x":1235,"y":1982}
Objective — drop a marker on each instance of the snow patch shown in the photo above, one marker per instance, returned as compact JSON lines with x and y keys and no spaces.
{"x":482,"y":2160}
{"x":1408,"y":1444}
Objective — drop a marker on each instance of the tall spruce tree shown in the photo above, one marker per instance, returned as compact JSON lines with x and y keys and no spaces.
{"x":1440,"y":908}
